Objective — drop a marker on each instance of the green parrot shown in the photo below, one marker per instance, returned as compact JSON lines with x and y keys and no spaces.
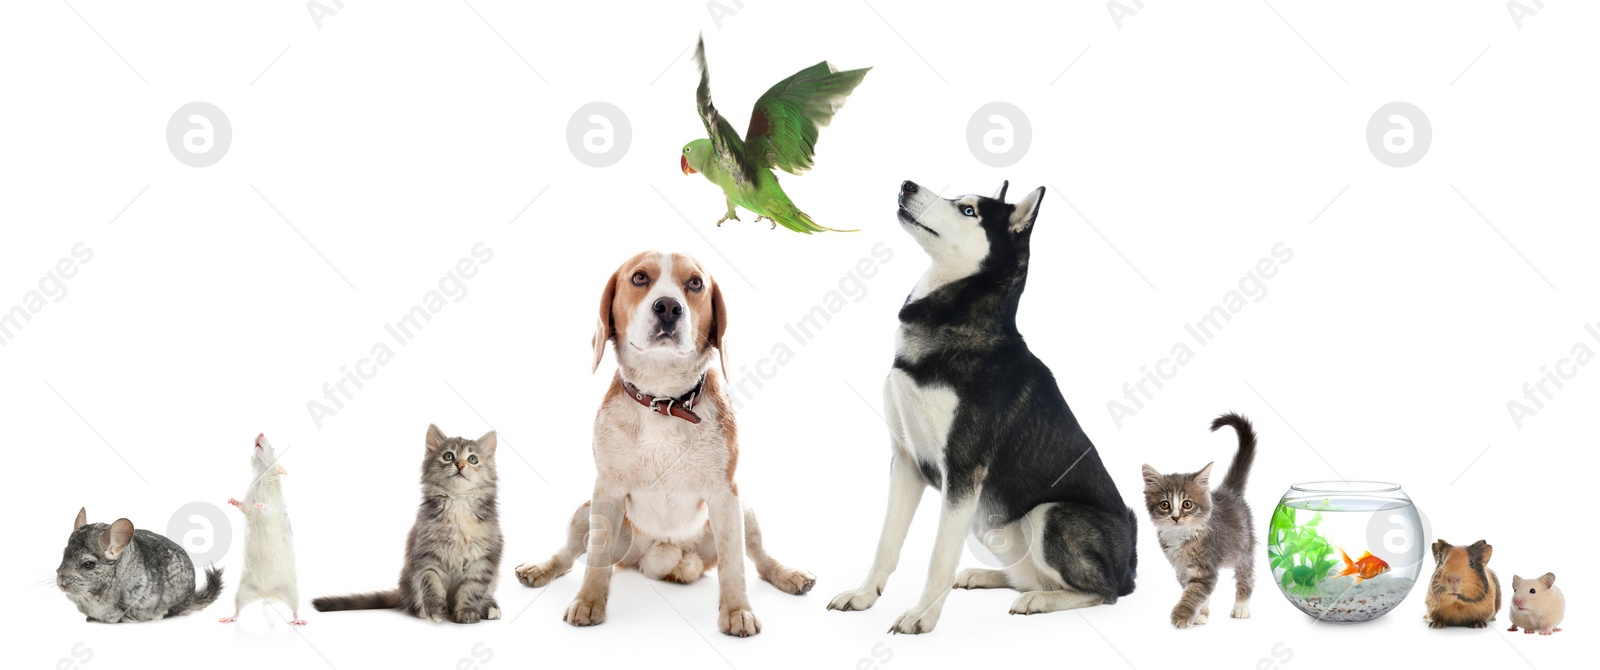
{"x":782,"y":134}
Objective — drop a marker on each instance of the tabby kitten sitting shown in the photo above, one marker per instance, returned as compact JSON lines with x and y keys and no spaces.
{"x":1203,"y":531}
{"x":453,"y":551}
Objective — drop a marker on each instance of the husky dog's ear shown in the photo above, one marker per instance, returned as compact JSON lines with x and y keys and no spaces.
{"x":1027,"y":209}
{"x":1001,"y":194}
{"x":719,"y":325}
{"x":604,"y":327}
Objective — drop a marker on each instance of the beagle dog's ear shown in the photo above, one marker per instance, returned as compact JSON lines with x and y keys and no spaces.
{"x":719,"y":326}
{"x":604,"y":327}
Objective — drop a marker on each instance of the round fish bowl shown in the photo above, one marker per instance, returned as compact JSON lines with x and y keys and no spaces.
{"x":1345,"y":551}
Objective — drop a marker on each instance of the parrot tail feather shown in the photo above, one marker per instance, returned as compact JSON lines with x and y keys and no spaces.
{"x":802,"y":223}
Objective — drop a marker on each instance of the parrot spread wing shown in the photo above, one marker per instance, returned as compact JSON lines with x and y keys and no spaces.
{"x":725,"y":143}
{"x":785,"y":121}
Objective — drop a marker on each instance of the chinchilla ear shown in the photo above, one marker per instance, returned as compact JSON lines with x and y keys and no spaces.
{"x":116,"y":540}
{"x":83,"y":518}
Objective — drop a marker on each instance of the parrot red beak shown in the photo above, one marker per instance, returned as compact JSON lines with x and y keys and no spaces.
{"x":683,"y":161}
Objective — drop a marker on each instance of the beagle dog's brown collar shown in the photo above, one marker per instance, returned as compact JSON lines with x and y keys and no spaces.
{"x":680,"y":406}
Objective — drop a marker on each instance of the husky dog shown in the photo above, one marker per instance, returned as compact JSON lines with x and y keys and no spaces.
{"x":973,"y":414}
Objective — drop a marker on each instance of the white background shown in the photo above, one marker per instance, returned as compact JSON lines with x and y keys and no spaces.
{"x":1188,"y":141}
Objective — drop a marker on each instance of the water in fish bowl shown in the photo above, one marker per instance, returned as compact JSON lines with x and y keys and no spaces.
{"x":1345,"y":551}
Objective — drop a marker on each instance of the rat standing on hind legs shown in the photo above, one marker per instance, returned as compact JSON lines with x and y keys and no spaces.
{"x":269,"y":541}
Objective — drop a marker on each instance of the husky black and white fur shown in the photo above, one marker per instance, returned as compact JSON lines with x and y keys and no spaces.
{"x":974,"y":414}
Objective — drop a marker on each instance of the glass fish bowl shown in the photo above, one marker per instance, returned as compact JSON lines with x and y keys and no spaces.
{"x":1345,"y":551}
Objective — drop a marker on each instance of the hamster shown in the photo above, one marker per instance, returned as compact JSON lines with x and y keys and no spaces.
{"x":115,"y":573}
{"x":1463,"y":590}
{"x":269,"y":540}
{"x":1536,"y":604}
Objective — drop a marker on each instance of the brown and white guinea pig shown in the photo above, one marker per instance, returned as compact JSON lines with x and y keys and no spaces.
{"x":1463,"y":590}
{"x":1536,"y":604}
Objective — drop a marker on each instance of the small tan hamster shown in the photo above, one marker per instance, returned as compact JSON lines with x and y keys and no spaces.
{"x":1463,"y":590}
{"x":1536,"y":604}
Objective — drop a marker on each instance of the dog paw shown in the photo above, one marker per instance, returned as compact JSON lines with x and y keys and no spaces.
{"x":791,"y":581}
{"x":465,"y":615}
{"x":855,"y":601}
{"x":1027,"y":603}
{"x":537,"y":574}
{"x":973,"y":578}
{"x":585,"y":612}
{"x":916,"y":621}
{"x":738,"y":622}
{"x":1241,"y":609}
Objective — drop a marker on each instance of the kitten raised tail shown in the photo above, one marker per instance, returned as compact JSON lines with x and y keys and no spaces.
{"x":1239,"y":470}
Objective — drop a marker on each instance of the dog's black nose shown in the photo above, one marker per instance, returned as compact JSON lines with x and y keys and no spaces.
{"x":667,"y":309}
{"x":908,"y":187}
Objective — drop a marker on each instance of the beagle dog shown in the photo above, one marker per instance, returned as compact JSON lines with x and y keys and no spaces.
{"x":665,"y":449}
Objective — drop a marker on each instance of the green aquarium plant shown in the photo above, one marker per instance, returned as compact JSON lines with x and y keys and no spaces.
{"x":1303,"y":554}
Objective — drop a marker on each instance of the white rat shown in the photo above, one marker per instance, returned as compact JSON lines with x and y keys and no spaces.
{"x":1537,"y":605}
{"x":269,"y":541}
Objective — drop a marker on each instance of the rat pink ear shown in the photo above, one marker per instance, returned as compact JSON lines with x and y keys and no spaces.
{"x":719,"y":326}
{"x":1548,"y":579}
{"x":116,"y":540}
{"x":488,"y":442}
{"x":83,"y":518}
{"x":435,"y":438}
{"x":605,"y":326}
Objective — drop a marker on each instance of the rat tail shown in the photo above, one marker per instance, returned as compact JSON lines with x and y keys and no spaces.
{"x":1239,"y":470}
{"x":207,"y":594}
{"x":378,"y":600}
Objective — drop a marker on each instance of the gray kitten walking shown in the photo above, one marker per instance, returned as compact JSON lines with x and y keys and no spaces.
{"x":115,"y":573}
{"x":453,"y":551}
{"x":1203,"y":531}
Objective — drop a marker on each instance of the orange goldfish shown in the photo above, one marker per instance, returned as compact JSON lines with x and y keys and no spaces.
{"x":1366,"y":567}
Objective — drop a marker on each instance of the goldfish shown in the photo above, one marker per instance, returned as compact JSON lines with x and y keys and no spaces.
{"x":1366,"y":567}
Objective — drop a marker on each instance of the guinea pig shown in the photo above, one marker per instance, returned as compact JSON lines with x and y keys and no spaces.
{"x":1536,"y":604}
{"x":1463,"y":590}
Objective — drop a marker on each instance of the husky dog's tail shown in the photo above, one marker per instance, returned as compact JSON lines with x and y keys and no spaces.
{"x":1239,"y":470}
{"x":207,"y":594}
{"x":379,"y":600}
